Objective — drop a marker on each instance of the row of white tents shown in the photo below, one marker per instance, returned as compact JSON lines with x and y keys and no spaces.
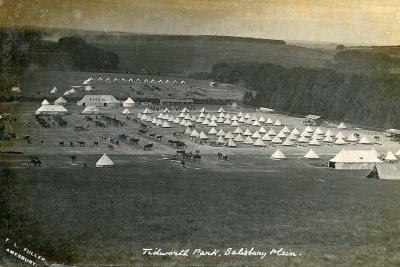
{"x":87,"y":88}
{"x":132,"y":80}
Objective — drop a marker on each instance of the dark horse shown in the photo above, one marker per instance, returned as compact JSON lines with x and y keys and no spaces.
{"x":222,"y":156}
{"x":133,"y":140}
{"x":148,"y":146}
{"x":196,"y":157}
{"x":180,"y":144}
{"x":142,"y":131}
{"x":180,"y":152}
{"x":81,"y":143}
{"x":36,"y":161}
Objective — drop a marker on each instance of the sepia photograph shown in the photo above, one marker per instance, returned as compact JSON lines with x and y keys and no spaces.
{"x":199,"y":133}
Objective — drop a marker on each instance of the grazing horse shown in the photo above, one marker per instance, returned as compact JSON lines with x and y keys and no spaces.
{"x":133,"y":140}
{"x":122,"y":136}
{"x":148,"y":146}
{"x":196,"y":157}
{"x":187,"y":155}
{"x":180,"y":144}
{"x":159,"y":137}
{"x":61,"y":144}
{"x":180,"y":152}
{"x":81,"y":143}
{"x":141,"y":131}
{"x":222,"y":156}
{"x":36,"y":161}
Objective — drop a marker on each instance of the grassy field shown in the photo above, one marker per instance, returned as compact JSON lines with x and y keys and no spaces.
{"x":109,"y":215}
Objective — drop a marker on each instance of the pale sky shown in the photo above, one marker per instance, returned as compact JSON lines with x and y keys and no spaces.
{"x":339,"y":21}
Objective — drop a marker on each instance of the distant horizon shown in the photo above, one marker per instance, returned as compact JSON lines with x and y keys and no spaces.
{"x":359,"y":22}
{"x":289,"y":41}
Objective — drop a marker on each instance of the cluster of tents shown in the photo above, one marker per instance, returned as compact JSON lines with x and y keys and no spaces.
{"x":266,"y":129}
{"x":57,"y":109}
{"x":73,"y":89}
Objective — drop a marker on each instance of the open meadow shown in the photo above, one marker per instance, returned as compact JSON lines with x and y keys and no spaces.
{"x":110,"y":214}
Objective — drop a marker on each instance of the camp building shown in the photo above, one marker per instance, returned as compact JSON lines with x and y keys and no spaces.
{"x":354,"y":160}
{"x":98,"y":100}
{"x":312,"y":120}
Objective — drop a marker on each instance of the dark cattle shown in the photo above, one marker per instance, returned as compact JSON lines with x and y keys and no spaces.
{"x":377,"y":138}
{"x":95,"y":143}
{"x":159,"y":137}
{"x":61,"y":144}
{"x":152,"y":135}
{"x":111,"y":147}
{"x":148,"y":146}
{"x":133,"y":140}
{"x":71,"y":143}
{"x":117,"y":142}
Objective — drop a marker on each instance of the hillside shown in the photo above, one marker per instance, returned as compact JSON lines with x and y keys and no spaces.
{"x":185,"y":54}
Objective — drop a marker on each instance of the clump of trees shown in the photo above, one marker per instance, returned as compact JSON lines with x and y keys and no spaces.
{"x":358,"y":98}
{"x":15,"y":54}
{"x":365,"y":59}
